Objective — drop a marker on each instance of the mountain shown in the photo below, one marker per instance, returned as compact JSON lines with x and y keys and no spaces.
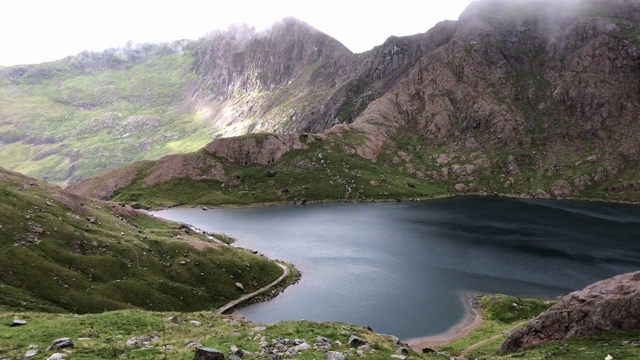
{"x":61,"y":252}
{"x":526,"y":98}
{"x":65,"y":120}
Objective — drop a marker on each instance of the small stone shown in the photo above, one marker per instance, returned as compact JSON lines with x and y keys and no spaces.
{"x":240,"y":286}
{"x":322,"y":340}
{"x":193,"y":343}
{"x":401,"y":357}
{"x":195,"y":322}
{"x":57,"y":356}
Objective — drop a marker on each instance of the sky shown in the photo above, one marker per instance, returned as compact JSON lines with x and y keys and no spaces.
{"x":35,"y":31}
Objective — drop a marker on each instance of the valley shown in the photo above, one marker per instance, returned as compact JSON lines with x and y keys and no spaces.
{"x":532,"y":100}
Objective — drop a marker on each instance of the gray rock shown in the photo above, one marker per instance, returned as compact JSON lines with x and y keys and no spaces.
{"x":208,"y":354}
{"x":401,"y":357}
{"x":31,"y":353}
{"x":195,"y":322}
{"x":303,"y":346}
{"x":322,"y":340}
{"x":234,"y":350}
{"x":393,"y":339}
{"x":541,"y":194}
{"x":460,"y":187}
{"x":240,"y":286}
{"x":57,"y":356}
{"x":561,"y":189}
{"x":17,"y":322}
{"x":60,"y":344}
{"x":141,"y":340}
{"x":193,"y":343}
{"x":356,"y":342}
{"x":334,"y":355}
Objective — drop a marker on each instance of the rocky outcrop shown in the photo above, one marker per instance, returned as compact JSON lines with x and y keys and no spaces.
{"x":611,"y":304}
{"x":257,"y":149}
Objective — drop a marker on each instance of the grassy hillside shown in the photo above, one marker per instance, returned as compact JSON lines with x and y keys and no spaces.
{"x":67,"y":119}
{"x":61,"y":252}
{"x":404,"y":170}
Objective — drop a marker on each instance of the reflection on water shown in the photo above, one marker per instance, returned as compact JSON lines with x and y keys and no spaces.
{"x":401,"y":267}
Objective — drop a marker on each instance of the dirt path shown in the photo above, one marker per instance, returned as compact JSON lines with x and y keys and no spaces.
{"x":250,"y":295}
{"x":472,"y":321}
{"x":463,"y":353}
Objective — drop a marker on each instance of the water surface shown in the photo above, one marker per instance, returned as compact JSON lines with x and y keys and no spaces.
{"x":401,"y":267}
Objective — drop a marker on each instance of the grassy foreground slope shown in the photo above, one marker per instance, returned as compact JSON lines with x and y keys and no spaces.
{"x":105,"y":336}
{"x":62,"y":252}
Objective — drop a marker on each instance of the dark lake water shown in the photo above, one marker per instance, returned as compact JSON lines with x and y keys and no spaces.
{"x":401,"y":268}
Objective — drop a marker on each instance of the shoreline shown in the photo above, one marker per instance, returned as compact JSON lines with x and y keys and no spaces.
{"x":150,"y":209}
{"x":471,"y":321}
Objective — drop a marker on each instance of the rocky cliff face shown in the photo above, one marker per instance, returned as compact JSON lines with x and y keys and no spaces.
{"x":611,"y":304}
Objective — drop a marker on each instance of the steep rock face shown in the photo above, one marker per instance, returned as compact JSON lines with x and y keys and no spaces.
{"x":611,"y":304}
{"x":260,"y":75}
{"x":254,"y":150}
{"x":526,"y":76}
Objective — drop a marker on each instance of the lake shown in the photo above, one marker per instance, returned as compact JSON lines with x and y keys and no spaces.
{"x":402,"y":268}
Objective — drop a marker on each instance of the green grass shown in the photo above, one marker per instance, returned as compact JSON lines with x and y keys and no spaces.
{"x":104,"y":335}
{"x":62,"y":252}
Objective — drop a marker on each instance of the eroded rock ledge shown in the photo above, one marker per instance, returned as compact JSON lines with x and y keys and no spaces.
{"x":610,"y":304}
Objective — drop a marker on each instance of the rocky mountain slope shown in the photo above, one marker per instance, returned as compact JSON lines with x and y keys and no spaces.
{"x":606,"y":305}
{"x":63,"y":252}
{"x":65,"y":120}
{"x":525,"y":98}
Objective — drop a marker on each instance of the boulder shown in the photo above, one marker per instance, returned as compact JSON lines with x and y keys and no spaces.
{"x":322,"y":340}
{"x":303,"y":346}
{"x":582,"y":182}
{"x":460,"y":187}
{"x":61,"y":343}
{"x":561,"y":189}
{"x":208,"y":354}
{"x":611,"y":304}
{"x":17,"y":322}
{"x":541,"y":194}
{"x":31,"y":353}
{"x":356,"y":342}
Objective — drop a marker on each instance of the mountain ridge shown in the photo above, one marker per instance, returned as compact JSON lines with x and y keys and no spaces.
{"x":513,"y":102}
